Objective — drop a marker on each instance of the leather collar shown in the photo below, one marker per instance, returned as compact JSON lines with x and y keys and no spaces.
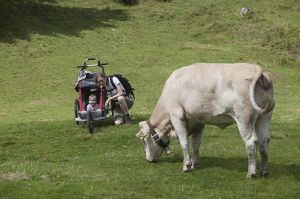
{"x":156,"y":137}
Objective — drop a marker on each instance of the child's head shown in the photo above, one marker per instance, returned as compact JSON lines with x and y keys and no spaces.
{"x":92,"y":99}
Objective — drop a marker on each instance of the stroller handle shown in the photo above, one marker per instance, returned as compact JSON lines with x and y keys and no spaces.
{"x":85,"y":63}
{"x":93,"y":59}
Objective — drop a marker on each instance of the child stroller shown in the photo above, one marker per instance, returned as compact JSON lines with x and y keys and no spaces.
{"x":85,"y":86}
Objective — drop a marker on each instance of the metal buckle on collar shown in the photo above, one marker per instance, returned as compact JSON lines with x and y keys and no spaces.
{"x":156,"y":137}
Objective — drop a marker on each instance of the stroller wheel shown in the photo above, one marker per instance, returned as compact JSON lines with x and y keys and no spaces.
{"x":76,"y":109}
{"x":90,"y":122}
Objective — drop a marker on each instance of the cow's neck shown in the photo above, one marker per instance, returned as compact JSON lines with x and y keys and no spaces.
{"x":160,"y":119}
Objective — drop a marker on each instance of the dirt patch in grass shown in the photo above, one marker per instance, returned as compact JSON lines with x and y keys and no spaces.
{"x":13,"y":176}
{"x":39,"y":102}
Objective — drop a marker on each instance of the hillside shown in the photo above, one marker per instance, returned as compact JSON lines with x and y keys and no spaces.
{"x":42,"y":42}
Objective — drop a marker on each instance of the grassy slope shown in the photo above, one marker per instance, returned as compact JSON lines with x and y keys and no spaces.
{"x":41,"y":43}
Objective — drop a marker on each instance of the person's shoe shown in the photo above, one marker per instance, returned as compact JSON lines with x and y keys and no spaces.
{"x":118,"y":122}
{"x":127,"y":119}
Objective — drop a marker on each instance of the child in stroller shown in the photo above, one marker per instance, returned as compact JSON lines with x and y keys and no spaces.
{"x":92,"y":106}
{"x":88,"y":91}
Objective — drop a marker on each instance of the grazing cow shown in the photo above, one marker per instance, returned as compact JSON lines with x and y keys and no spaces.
{"x":216,"y":94}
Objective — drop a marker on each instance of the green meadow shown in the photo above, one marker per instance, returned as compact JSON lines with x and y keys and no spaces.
{"x":44,"y":154}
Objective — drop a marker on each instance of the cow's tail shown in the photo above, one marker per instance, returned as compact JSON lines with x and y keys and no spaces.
{"x":261,"y":93}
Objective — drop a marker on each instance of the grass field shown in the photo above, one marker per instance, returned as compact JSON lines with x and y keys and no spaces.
{"x":44,"y":154}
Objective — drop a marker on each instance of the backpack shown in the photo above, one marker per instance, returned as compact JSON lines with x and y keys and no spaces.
{"x":125,"y":82}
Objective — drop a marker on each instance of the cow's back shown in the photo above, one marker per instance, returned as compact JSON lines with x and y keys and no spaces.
{"x":208,"y":90}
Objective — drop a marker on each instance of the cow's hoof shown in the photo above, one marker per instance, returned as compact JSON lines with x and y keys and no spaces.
{"x":264,"y":174}
{"x":251,"y":175}
{"x":187,"y":167}
{"x":194,"y":166}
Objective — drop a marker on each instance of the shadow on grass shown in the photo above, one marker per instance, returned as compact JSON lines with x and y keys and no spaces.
{"x":20,"y":18}
{"x":108,"y":122}
{"x":12,"y":135}
{"x":239,"y":164}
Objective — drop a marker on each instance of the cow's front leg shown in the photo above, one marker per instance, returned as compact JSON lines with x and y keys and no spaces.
{"x":179,"y":125}
{"x":196,"y":141}
{"x":184,"y":142}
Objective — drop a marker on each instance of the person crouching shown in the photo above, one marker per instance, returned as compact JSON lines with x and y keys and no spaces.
{"x":117,"y":95}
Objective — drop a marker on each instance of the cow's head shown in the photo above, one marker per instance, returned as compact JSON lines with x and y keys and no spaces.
{"x":154,"y":145}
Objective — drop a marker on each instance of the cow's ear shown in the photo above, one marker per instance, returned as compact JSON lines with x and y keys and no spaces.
{"x":144,"y":127}
{"x":144,"y":132}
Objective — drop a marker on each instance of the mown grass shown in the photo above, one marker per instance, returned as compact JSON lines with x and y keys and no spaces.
{"x":43,"y":154}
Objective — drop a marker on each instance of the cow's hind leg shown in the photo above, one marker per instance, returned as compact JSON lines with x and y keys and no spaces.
{"x":179,"y":124}
{"x":247,"y":131}
{"x":262,"y":130}
{"x":196,"y":141}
